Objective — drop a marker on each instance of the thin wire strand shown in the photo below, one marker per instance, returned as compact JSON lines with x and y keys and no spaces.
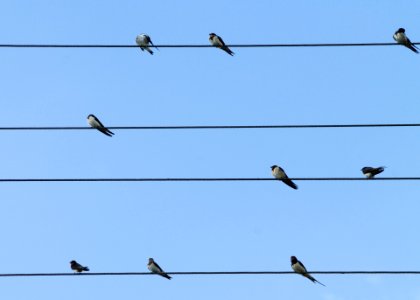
{"x":197,"y":46}
{"x":210,"y":273}
{"x":184,"y":127}
{"x":198,"y":179}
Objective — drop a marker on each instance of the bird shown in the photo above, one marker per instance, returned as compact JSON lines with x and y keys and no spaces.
{"x":217,"y":41}
{"x":370,"y":172}
{"x":75,"y":266}
{"x":279,"y":174}
{"x":154,"y":268}
{"x":143,"y":40}
{"x":95,"y":123}
{"x":400,"y":37}
{"x":299,"y":268}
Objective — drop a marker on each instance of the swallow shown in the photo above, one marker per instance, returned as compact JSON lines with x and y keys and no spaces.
{"x":400,"y":37}
{"x":95,"y":123}
{"x":217,"y":41}
{"x":154,"y":268}
{"x":279,"y":174}
{"x":299,"y":268}
{"x":76,"y":267}
{"x":370,"y":172}
{"x":143,"y":40}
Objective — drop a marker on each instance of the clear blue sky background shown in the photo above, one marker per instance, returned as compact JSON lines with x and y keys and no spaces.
{"x":209,"y":226}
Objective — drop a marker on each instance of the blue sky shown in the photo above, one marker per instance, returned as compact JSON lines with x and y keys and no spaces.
{"x":209,"y":226}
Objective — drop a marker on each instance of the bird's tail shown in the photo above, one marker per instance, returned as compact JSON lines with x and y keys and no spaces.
{"x":313,"y":279}
{"x":230,"y":52}
{"x":413,"y":48}
{"x":106,"y":131}
{"x":154,"y":45}
{"x":85,"y":269}
{"x":381,"y":169}
{"x":166,"y":276}
{"x":290,"y":183}
{"x":149,"y":50}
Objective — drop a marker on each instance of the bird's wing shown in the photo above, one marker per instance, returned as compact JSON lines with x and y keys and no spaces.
{"x":282,"y":170}
{"x":367,"y":169}
{"x":151,"y":43}
{"x":299,"y":268}
{"x":221,"y":41}
{"x":158,"y":267}
{"x":99,"y":122}
{"x":303,"y":266}
{"x":77,"y":266}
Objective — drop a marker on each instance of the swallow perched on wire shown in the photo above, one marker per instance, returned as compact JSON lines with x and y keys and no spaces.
{"x":95,"y":123}
{"x":400,"y":37}
{"x":144,"y":41}
{"x":76,"y":267}
{"x":279,"y":173}
{"x":299,"y":268}
{"x":217,"y":41}
{"x":370,"y":172}
{"x":154,"y":268}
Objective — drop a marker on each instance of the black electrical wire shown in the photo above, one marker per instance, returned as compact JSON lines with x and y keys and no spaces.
{"x":197,"y":46}
{"x":209,"y":273}
{"x":186,"y":127}
{"x":198,"y":179}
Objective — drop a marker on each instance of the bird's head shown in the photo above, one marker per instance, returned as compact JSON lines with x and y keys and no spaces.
{"x":90,"y":116}
{"x":73,"y":262}
{"x":151,"y":260}
{"x":293,"y":259}
{"x":273,"y":167}
{"x":401,"y":30}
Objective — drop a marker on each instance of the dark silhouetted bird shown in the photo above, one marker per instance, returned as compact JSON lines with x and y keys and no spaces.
{"x":144,"y":41}
{"x":95,"y":123}
{"x":299,"y":268}
{"x":400,"y":37}
{"x":370,"y":172}
{"x":154,"y":268}
{"x":75,"y":266}
{"x":217,"y":41}
{"x":280,"y":174}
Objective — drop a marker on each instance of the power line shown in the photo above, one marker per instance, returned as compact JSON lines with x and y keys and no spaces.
{"x":210,"y":273}
{"x":199,"y":179}
{"x":186,"y":127}
{"x":197,"y":46}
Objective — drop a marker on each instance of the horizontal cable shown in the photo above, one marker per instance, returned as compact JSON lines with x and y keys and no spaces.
{"x":215,"y":127}
{"x":195,"y":46}
{"x":198,"y":179}
{"x":210,"y":273}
